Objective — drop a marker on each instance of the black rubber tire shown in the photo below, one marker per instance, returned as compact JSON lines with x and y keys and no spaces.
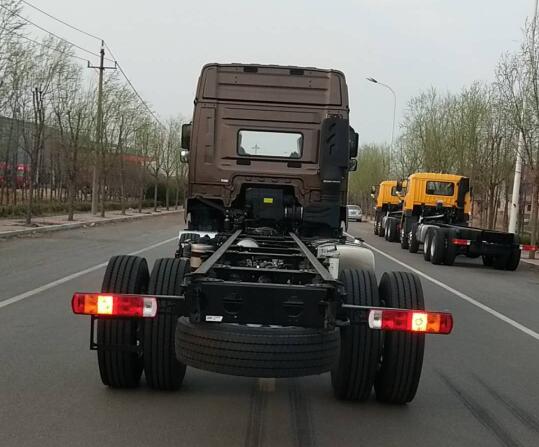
{"x":488,"y":260}
{"x":121,"y":368}
{"x":402,"y":359}
{"x":426,"y":245}
{"x":437,"y":247}
{"x":450,"y":254}
{"x":393,"y":233}
{"x":376,"y":227}
{"x":382,"y":229}
{"x":413,"y":243}
{"x":499,"y":262}
{"x":352,"y":377}
{"x":507,"y":262}
{"x":450,"y":250}
{"x":513,"y":260}
{"x":163,"y":371}
{"x":249,"y":351}
{"x":405,"y":243}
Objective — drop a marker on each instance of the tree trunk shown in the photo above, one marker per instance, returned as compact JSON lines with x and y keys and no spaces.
{"x":177,"y":197}
{"x":506,"y":208}
{"x":155,"y":196}
{"x":71,"y":199}
{"x":28,"y":220}
{"x":140,"y":198}
{"x":103,"y":194}
{"x":122,"y":188}
{"x":533,"y":218}
{"x":491,"y":207}
{"x":142,"y":186}
{"x":167,"y":194}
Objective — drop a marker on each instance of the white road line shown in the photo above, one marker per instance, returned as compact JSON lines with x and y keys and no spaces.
{"x":67,"y":278}
{"x":462,"y":296}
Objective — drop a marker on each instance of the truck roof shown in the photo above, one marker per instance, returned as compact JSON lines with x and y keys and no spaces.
{"x":436,"y":176}
{"x":272,"y":84}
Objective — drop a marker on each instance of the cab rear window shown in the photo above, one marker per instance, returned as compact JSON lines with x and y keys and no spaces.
{"x":440,"y":188}
{"x":270,"y":144}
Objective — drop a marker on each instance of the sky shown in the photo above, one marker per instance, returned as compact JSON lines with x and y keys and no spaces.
{"x":411,"y":45}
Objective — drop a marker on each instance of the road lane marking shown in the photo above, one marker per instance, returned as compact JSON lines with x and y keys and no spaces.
{"x":67,"y":278}
{"x":461,"y":295}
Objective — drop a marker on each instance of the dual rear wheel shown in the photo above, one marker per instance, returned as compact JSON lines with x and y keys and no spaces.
{"x":359,"y":358}
{"x":390,"y":362}
{"x":127,"y":346}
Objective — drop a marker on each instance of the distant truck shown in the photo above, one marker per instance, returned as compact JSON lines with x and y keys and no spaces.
{"x":388,"y":204}
{"x":436,"y":214}
{"x":265,"y":282}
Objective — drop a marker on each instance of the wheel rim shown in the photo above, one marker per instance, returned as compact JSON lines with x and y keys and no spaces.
{"x":432,"y":247}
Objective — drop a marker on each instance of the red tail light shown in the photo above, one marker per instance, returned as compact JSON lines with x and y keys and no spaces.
{"x":527,"y":247}
{"x":461,"y":241}
{"x":411,"y":321}
{"x":108,"y":304}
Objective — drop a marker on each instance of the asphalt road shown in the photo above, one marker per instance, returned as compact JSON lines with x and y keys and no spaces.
{"x":480,"y":385}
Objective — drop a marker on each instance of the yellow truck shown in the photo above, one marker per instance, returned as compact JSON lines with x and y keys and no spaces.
{"x":388,"y":202}
{"x":435,"y":212}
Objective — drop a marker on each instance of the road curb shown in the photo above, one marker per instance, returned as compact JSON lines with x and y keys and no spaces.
{"x":529,"y":264}
{"x":75,"y":225}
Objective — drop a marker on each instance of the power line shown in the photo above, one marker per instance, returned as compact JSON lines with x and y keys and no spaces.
{"x":44,"y":45}
{"x":51,"y":33}
{"x":124,"y":74}
{"x":133,"y":87}
{"x":61,"y":21}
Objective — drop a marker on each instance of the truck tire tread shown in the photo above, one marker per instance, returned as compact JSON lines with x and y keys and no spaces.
{"x":163,"y":371}
{"x":398,"y":377}
{"x":256,"y":351}
{"x":121,"y":368}
{"x":353,"y":376}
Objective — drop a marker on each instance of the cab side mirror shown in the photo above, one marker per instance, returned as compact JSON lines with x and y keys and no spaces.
{"x":354,"y":143}
{"x":186,"y":136}
{"x":398,"y":187}
{"x":352,"y":165}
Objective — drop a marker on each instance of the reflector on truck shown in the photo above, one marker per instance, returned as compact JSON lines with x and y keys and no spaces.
{"x":461,"y":242}
{"x":105,"y":304}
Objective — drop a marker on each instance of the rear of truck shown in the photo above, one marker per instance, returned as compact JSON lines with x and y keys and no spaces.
{"x":388,"y":203}
{"x":436,"y":213}
{"x":264,"y":283}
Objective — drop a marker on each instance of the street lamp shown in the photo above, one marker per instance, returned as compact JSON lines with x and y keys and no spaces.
{"x":374,"y":81}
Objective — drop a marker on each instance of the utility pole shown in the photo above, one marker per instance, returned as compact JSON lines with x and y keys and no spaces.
{"x":99,"y":128}
{"x":515,"y":195}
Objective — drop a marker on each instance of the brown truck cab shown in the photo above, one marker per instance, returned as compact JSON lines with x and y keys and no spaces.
{"x":271,"y":145}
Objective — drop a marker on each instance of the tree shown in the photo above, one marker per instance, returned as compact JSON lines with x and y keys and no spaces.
{"x":170,"y":154}
{"x":373,"y":167}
